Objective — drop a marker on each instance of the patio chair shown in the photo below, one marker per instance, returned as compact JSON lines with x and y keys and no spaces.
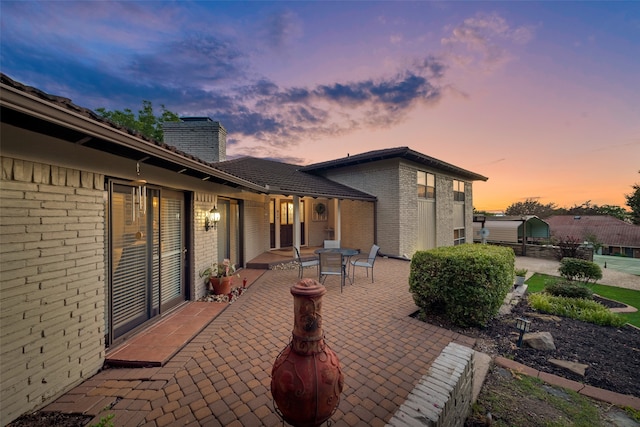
{"x":331,"y":265}
{"x":366,"y":262}
{"x":304,"y":264}
{"x":332,"y":243}
{"x":335,"y":244}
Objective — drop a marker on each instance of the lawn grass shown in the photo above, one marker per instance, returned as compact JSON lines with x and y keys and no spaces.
{"x":512,"y":398}
{"x":628,"y":296}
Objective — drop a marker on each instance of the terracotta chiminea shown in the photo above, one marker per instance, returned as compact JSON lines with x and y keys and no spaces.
{"x":306,"y":380}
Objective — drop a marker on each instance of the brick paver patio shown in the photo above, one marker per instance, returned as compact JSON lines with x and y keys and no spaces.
{"x":222,"y":377}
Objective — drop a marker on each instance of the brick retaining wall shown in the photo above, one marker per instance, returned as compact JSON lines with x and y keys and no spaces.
{"x":443,"y":397}
{"x":544,"y":251}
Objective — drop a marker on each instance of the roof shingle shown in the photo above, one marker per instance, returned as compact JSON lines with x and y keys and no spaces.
{"x":287,"y":179}
{"x":607,"y":229}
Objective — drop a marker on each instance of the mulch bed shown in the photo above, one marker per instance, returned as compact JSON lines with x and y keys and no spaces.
{"x":49,"y":419}
{"x":613,"y":354}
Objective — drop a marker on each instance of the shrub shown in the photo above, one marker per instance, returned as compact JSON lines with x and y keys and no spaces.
{"x":568,"y":289}
{"x":579,"y":269}
{"x":567,"y":247}
{"x":575,"y":308}
{"x":467,"y":283}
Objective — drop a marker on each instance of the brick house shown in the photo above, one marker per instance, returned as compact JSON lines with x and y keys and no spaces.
{"x":102,"y":231}
{"x":616,"y":236}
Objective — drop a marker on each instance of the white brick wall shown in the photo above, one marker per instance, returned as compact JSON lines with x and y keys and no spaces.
{"x":205,"y":243}
{"x":204,"y":139}
{"x":394,"y":183}
{"x":383,"y":180}
{"x":444,"y":210}
{"x":443,"y":397}
{"x":408,"y":209}
{"x":52,"y":282}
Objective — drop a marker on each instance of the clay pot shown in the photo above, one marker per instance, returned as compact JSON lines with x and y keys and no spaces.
{"x":221,"y":285}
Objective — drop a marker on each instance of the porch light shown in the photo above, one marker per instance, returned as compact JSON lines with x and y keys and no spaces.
{"x":522,"y":325}
{"x":211,"y":219}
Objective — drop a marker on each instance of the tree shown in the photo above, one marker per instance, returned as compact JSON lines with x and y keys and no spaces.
{"x":531,"y":207}
{"x":588,"y":209}
{"x":146,"y":123}
{"x":485,"y":213}
{"x":633,"y":201}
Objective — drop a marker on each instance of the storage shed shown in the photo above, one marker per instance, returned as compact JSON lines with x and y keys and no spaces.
{"x":510,"y":228}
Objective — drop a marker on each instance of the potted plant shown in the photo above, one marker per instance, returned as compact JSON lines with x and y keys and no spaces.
{"x":520,"y":275}
{"x":220,"y":276}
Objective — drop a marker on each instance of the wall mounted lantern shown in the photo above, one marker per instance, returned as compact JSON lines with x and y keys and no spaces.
{"x":522,"y":325}
{"x":211,"y":219}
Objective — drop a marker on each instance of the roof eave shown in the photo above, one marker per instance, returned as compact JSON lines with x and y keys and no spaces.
{"x":400,"y":153}
{"x":29,"y":104}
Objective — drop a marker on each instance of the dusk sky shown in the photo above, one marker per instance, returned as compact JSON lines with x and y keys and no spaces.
{"x":543,"y":98}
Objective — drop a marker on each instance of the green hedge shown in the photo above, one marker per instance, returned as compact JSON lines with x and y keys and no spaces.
{"x":467,"y":283}
{"x":580,"y":270}
{"x":568,"y":289}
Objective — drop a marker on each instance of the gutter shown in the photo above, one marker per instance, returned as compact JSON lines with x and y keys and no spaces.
{"x":49,"y":111}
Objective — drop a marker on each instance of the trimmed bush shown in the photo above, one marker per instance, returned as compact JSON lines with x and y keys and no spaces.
{"x":580,"y":269}
{"x":568,"y":289}
{"x":575,"y":308}
{"x":467,"y":283}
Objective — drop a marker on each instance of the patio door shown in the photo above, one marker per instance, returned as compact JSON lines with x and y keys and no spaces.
{"x":286,"y":223}
{"x":146,"y":255}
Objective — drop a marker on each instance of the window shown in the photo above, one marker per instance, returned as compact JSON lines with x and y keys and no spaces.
{"x":458,"y":190}
{"x":426,"y":185}
{"x":458,"y":236}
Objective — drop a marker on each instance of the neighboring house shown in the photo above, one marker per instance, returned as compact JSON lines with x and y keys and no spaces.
{"x":510,"y":229}
{"x":616,"y":236}
{"x":102,"y":231}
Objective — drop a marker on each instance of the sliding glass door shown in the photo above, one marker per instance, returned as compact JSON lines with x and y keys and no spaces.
{"x":146,"y":255}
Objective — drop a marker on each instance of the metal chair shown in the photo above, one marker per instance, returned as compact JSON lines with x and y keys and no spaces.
{"x":332,"y":244}
{"x":335,"y":244}
{"x":366,"y":262}
{"x":304,"y":264}
{"x":331,"y":265}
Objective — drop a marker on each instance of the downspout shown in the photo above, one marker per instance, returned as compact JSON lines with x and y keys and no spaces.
{"x":375,"y":222}
{"x":338,"y":227}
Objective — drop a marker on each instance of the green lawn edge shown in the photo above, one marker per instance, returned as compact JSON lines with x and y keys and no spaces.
{"x":630,"y":297}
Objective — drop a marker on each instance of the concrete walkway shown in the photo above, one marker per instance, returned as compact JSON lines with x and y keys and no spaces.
{"x":222,"y":377}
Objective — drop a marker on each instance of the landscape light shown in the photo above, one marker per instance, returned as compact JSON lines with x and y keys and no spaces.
{"x":523,"y":325}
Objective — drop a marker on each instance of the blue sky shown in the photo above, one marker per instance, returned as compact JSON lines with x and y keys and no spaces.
{"x":541,"y":97}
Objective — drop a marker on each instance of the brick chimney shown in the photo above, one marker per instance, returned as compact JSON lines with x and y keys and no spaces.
{"x":199,"y":136}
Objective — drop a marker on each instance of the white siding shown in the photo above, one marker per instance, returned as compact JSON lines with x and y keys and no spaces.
{"x":426,"y":225}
